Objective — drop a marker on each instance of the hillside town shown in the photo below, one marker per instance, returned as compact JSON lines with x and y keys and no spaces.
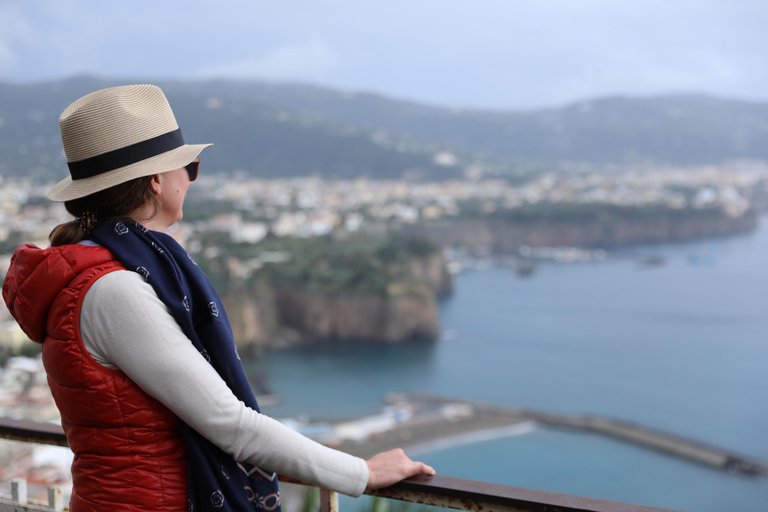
{"x":246,"y":210}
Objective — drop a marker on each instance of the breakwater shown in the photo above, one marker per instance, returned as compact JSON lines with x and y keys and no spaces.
{"x":691,"y":450}
{"x":420,"y":421}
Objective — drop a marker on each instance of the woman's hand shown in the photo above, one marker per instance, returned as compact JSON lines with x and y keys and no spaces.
{"x":390,"y":467}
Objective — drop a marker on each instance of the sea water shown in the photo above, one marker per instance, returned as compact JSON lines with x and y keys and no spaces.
{"x":681,"y":347}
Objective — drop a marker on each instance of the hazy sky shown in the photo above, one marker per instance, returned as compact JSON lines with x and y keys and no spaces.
{"x":479,"y":53}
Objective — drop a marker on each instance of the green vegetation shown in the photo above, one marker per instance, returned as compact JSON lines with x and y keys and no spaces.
{"x":263,"y":140}
{"x":377,"y":504}
{"x":14,"y":239}
{"x":311,"y":503}
{"x":357,"y":264}
{"x":289,"y":130}
{"x":28,"y":349}
{"x":199,"y":208}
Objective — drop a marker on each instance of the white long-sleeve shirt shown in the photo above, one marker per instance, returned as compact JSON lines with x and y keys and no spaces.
{"x":123,"y":324}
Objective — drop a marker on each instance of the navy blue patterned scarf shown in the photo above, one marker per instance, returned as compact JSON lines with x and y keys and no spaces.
{"x":216,"y":482}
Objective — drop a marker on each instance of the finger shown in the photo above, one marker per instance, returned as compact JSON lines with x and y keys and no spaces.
{"x":422,"y":469}
{"x":427,"y":470}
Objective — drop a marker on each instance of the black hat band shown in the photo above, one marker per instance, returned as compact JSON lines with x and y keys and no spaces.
{"x":128,"y":155}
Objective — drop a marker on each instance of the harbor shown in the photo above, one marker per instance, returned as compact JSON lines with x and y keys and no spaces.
{"x":419,"y":422}
{"x":416,"y":422}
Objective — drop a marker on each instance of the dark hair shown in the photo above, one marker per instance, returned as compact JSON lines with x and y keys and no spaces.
{"x":115,"y":202}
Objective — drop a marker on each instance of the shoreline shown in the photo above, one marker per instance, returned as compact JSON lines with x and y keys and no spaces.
{"x":419,"y":422}
{"x":478,"y":436}
{"x":643,"y":254}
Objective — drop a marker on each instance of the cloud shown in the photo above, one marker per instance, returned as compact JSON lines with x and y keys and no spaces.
{"x":312,"y":61}
{"x":15,"y":30}
{"x":675,"y":78}
{"x":494,"y":53}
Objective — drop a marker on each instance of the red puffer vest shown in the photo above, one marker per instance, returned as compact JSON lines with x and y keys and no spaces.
{"x":129,"y":453}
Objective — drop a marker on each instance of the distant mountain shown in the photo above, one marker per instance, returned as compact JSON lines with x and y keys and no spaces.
{"x":675,"y":129}
{"x":258,"y":138}
{"x":273,"y":130}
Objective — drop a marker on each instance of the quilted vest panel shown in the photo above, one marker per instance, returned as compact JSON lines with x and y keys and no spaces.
{"x":129,"y":453}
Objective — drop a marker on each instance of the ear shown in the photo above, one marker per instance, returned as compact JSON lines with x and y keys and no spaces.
{"x":155,"y":184}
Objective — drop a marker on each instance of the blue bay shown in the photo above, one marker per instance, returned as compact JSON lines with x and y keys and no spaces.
{"x":680,"y":347}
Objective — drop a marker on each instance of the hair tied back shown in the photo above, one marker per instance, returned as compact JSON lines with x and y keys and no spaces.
{"x":87,"y":221}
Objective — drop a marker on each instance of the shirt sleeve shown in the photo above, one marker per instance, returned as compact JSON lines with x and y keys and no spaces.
{"x":123,"y":324}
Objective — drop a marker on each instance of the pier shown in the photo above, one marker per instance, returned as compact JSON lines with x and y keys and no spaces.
{"x":421,"y":422}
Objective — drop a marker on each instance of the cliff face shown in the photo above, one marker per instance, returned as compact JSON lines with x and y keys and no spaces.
{"x":253,"y":315}
{"x":431,"y":269}
{"x":264,"y":316}
{"x":503,"y":236}
{"x":406,"y":312}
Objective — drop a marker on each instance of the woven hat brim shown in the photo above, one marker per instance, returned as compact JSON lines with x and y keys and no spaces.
{"x":68,"y":189}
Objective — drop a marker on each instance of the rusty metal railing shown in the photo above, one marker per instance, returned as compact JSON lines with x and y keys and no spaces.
{"x":436,"y":490}
{"x":18,"y":501}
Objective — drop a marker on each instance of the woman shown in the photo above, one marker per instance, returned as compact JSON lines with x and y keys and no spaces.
{"x":137,"y":346}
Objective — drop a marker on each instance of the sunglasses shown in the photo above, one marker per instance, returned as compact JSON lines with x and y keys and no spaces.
{"x":192,"y":168}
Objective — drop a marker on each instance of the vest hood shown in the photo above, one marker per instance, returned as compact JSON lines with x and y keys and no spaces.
{"x":36,"y":276}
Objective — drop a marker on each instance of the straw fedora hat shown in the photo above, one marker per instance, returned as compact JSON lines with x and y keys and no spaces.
{"x":115,"y":135}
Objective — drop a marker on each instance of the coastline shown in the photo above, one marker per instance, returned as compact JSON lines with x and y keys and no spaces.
{"x":477,"y":436}
{"x":419,"y":422}
{"x":676,"y":347}
{"x":267,"y":318}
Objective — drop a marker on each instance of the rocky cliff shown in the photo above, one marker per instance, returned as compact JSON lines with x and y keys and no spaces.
{"x":265,"y":315}
{"x":388,"y":291}
{"x":408,"y":311}
{"x":607,"y":228}
{"x":253,"y":315}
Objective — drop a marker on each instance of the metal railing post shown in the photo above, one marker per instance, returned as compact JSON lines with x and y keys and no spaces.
{"x":19,"y":491}
{"x":469,"y":495}
{"x":329,"y":501}
{"x":55,"y":499}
